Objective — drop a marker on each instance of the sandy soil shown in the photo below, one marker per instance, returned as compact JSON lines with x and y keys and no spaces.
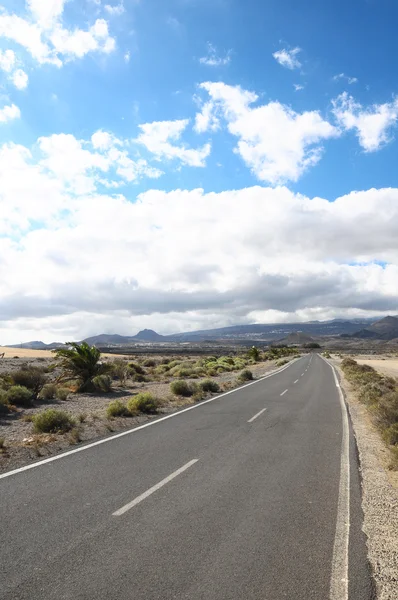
{"x":28,"y":353}
{"x":379,"y":496}
{"x":387,"y":366}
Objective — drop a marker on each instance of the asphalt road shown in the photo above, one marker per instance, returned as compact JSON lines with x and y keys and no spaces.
{"x":241,"y":498}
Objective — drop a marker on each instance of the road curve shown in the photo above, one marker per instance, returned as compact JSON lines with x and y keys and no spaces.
{"x":241,"y":498}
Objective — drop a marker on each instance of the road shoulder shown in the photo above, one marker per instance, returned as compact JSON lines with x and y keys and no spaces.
{"x":379,"y":497}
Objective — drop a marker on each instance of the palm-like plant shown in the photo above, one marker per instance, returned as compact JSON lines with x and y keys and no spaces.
{"x":80,"y":362}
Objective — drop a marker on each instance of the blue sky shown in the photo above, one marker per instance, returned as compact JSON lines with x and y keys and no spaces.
{"x":286,"y":102}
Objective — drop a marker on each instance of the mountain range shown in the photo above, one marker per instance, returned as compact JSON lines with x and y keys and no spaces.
{"x":377,"y":329}
{"x":264,"y":332}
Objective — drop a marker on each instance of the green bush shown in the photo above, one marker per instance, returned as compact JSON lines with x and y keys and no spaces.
{"x":150,"y":362}
{"x":245,"y":375}
{"x":4,"y":403}
{"x":387,"y":410}
{"x":32,"y":378}
{"x":181,"y":388}
{"x":53,"y":421}
{"x":136,"y":368}
{"x":348,"y":363}
{"x":62,"y":393}
{"x":116,"y":409}
{"x":19,"y":395}
{"x":48,"y":391}
{"x":174,"y":363}
{"x":239,"y":364}
{"x":138,"y":378}
{"x":282,"y":362}
{"x":208,"y":385}
{"x":102,"y":383}
{"x":120,"y":369}
{"x":380,"y":393}
{"x":254,"y":353}
{"x":145,"y":403}
{"x":391,"y":434}
{"x":80,"y":362}
{"x":6,"y":381}
{"x":183,"y":372}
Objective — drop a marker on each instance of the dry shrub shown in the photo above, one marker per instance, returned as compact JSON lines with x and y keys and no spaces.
{"x":144,"y":403}
{"x":53,"y":421}
{"x":20,"y":396}
{"x":117,"y":409}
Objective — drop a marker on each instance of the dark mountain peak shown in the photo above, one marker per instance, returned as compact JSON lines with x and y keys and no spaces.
{"x":384,"y":329}
{"x":149,"y":335}
{"x":388,"y":321}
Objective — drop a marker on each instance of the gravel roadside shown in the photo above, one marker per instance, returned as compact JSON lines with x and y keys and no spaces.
{"x":379,"y":496}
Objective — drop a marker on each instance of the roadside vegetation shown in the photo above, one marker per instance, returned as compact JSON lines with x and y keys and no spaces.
{"x":380,"y":394}
{"x":80,"y":394}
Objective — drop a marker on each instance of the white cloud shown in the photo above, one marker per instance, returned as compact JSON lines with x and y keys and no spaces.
{"x":115,"y":9}
{"x":157,"y":137}
{"x":78,"y":43}
{"x":298,"y":87}
{"x":207,"y":120}
{"x":43,"y":34}
{"x":29,"y":36}
{"x":20,"y":79}
{"x":372,"y":125}
{"x":70,"y":163}
{"x":127,"y":56}
{"x":212,"y":59}
{"x":9,"y":113}
{"x":275,"y":142}
{"x":288,"y":58}
{"x":350,"y":80}
{"x":8,"y":63}
{"x":46,"y":12}
{"x":167,"y":262}
{"x":7,"y":60}
{"x":103,"y":140}
{"x":81,"y":166}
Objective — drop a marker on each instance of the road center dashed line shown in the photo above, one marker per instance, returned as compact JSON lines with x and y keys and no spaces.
{"x":257,"y":415}
{"x":295,"y":381}
{"x":153,"y":489}
{"x":283,"y":393}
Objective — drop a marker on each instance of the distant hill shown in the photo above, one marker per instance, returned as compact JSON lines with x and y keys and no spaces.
{"x":291,"y":333}
{"x":36,"y":345}
{"x":148,"y":335}
{"x":107,"y":339}
{"x":297,"y":338}
{"x":385,"y":329}
{"x":301,"y":333}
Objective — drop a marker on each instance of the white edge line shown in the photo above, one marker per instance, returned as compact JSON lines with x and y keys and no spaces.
{"x":339,"y":576}
{"x":257,"y":415}
{"x":283,"y":393}
{"x":134,"y":429}
{"x":153,"y":489}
